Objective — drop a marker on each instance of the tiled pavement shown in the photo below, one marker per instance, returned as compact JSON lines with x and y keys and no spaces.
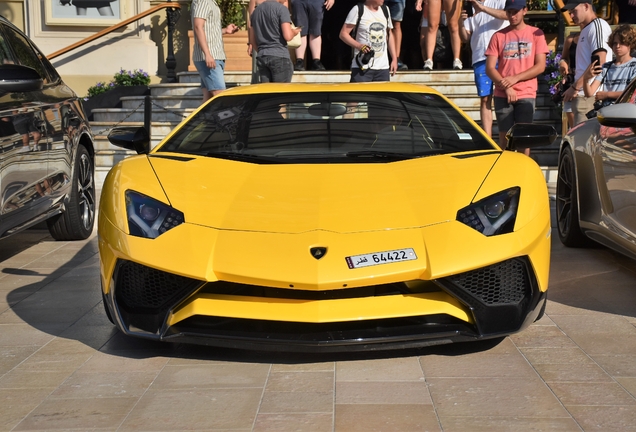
{"x":64,"y":367}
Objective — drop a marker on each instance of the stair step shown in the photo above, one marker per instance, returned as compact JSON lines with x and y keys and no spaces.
{"x":160,"y":115}
{"x":418,"y":76}
{"x":170,"y":101}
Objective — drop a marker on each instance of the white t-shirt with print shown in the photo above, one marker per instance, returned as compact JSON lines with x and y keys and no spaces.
{"x":481,"y":27}
{"x":372,"y":31}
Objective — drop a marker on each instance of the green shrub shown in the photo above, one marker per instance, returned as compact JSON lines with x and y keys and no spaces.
{"x":99,"y":88}
{"x":232,"y":12}
{"x":121,"y":78}
{"x":131,"y":78}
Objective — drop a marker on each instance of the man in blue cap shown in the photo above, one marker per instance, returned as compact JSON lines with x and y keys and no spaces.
{"x":514,"y":58}
{"x":592,"y":41}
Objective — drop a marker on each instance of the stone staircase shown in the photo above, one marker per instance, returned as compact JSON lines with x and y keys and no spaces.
{"x":172,"y":103}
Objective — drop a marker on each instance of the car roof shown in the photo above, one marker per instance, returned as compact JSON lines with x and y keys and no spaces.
{"x":330,"y":87}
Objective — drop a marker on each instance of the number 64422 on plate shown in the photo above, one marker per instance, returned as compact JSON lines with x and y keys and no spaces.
{"x":378,"y":258}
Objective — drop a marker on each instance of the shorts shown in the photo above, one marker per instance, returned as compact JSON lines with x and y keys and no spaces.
{"x":567,"y":107}
{"x":424,"y":22}
{"x":396,"y":7}
{"x":24,"y":123}
{"x":211,"y":79}
{"x":308,"y":14}
{"x":370,"y":75}
{"x":508,"y":115}
{"x":482,"y":81}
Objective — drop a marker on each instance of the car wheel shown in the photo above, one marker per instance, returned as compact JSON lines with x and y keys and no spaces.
{"x":567,"y":209}
{"x":76,"y":223}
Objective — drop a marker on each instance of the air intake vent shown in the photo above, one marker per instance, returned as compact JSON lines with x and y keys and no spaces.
{"x":505,"y":283}
{"x":141,"y":287}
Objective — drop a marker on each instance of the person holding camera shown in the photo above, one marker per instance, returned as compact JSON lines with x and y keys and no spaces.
{"x":567,"y":66}
{"x":478,"y":22}
{"x":514,"y":58}
{"x":372,"y":44}
{"x":592,"y":40}
{"x":613,"y":76}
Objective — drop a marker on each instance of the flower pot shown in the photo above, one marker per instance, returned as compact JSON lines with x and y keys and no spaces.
{"x":112,"y":98}
{"x":551,"y":40}
{"x":235,"y":46}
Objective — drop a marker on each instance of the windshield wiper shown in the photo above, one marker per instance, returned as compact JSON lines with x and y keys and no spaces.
{"x":394,"y":155}
{"x":378,"y":154}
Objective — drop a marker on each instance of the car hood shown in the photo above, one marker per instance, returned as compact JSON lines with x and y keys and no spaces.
{"x":342,"y":198}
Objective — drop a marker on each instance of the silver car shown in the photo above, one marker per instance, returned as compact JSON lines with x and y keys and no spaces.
{"x":596,"y":185}
{"x":46,"y":146}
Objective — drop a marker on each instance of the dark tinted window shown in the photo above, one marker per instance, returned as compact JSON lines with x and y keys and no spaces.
{"x":5,"y":51}
{"x":321,"y":125}
{"x":25,"y":53}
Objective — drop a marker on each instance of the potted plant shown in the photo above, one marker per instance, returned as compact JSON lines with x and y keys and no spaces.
{"x":108,"y":95}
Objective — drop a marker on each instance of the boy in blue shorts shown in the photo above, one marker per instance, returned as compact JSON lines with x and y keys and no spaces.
{"x":488,"y":17}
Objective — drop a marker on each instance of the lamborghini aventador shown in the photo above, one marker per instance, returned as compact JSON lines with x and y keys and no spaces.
{"x":596,"y":184}
{"x":325,"y":217}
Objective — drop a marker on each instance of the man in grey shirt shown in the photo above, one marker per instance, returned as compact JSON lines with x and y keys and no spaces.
{"x":269,"y":33}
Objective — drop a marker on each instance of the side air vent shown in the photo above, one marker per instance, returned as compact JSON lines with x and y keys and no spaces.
{"x":503,"y":283}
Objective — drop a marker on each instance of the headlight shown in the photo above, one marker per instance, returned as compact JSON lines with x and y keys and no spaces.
{"x":493,"y":215}
{"x":148,"y":217}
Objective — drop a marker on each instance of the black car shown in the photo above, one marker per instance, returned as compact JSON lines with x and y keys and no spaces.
{"x":596,"y":185}
{"x":46,"y":146}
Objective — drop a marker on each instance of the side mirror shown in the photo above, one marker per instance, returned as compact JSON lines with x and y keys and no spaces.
{"x":17,"y":78}
{"x":618,"y":115}
{"x":527,"y":135}
{"x":131,"y":138}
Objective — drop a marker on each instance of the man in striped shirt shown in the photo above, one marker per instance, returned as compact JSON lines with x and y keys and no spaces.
{"x":592,"y":41}
{"x":208,"y":53}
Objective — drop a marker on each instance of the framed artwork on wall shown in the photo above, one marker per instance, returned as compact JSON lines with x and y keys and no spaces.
{"x":84,"y":12}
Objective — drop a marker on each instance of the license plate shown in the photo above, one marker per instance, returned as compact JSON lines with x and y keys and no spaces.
{"x":378,"y":258}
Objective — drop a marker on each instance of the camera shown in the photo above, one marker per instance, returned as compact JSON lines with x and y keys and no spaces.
{"x":598,"y":105}
{"x":363,"y":58}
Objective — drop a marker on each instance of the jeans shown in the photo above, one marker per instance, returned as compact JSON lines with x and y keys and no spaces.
{"x":274,"y":69}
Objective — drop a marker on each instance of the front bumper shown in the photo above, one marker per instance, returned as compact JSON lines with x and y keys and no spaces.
{"x":494,"y":301}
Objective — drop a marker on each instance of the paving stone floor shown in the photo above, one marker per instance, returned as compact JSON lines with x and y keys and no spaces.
{"x":63,"y":367}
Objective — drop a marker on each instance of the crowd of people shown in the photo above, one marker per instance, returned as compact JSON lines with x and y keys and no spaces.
{"x":507,"y":53}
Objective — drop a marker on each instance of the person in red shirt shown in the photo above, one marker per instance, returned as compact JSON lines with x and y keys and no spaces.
{"x":514,"y":58}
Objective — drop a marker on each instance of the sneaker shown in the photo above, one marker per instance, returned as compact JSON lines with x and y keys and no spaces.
{"x":402,"y":66}
{"x":457,"y":64}
{"x":428,"y":65}
{"x":300,"y":65}
{"x":317,"y":65}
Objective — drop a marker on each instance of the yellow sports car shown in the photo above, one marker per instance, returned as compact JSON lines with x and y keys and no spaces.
{"x":325,"y":217}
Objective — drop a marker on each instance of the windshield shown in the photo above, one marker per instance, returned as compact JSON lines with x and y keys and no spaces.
{"x":327,"y":126}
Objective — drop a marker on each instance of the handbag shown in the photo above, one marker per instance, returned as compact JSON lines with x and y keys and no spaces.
{"x":295,"y":42}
